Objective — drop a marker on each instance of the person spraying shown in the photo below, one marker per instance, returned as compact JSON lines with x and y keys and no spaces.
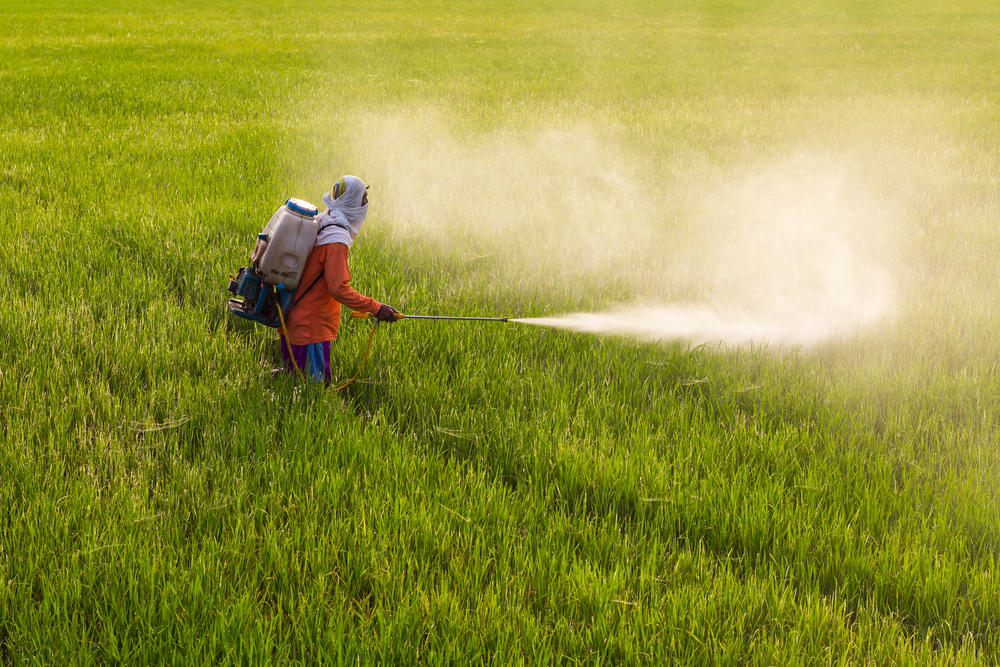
{"x":326,"y":284}
{"x":298,"y":277}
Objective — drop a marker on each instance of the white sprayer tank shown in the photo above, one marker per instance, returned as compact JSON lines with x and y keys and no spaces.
{"x":284,"y":245}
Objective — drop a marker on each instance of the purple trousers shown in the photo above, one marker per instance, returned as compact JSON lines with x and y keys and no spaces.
{"x":313,"y":360}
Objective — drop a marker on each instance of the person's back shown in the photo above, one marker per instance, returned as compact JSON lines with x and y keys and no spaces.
{"x":313,"y":322}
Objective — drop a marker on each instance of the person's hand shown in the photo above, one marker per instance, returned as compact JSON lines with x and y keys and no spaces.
{"x":386,"y":313}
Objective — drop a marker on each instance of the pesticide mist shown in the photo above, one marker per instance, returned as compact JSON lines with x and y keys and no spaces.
{"x":788,"y":252}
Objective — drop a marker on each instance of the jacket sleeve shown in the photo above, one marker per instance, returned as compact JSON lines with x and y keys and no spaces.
{"x":338,"y":282}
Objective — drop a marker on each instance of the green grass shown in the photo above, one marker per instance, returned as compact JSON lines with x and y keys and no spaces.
{"x":494,"y":494}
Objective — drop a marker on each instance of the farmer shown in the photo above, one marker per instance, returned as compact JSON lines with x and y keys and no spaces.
{"x":312,"y":325}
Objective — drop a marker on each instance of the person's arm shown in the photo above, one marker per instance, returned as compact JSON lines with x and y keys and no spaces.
{"x":338,"y":282}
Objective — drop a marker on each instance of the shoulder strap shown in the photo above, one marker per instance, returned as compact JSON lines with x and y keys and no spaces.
{"x":301,"y":294}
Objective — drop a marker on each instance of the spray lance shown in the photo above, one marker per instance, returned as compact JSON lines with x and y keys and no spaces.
{"x":400,"y":316}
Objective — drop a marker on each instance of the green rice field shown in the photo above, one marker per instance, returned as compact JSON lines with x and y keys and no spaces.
{"x":493,"y":493}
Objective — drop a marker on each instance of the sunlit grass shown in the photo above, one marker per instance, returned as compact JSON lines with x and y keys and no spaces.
{"x":484,"y":493}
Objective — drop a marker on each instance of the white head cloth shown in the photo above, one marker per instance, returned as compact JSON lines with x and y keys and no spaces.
{"x":343,"y":217}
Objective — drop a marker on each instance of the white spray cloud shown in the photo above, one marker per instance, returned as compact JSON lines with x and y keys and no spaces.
{"x":785,"y":254}
{"x":555,"y":200}
{"x":698,"y":325}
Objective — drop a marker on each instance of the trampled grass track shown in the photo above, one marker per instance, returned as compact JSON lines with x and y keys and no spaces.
{"x":485,"y":493}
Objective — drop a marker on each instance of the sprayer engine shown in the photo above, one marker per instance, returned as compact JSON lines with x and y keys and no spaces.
{"x":260,"y":300}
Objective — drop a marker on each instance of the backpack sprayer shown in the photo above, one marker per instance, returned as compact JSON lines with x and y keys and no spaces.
{"x":268,"y":286}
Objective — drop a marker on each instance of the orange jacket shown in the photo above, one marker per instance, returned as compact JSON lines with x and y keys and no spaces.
{"x":316,"y":315}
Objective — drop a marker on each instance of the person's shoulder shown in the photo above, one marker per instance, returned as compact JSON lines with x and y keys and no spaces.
{"x":320,"y":251}
{"x":338,"y":247}
{"x":332,"y":252}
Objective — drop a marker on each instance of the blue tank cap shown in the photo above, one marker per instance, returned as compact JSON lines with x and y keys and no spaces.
{"x":302,"y":206}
